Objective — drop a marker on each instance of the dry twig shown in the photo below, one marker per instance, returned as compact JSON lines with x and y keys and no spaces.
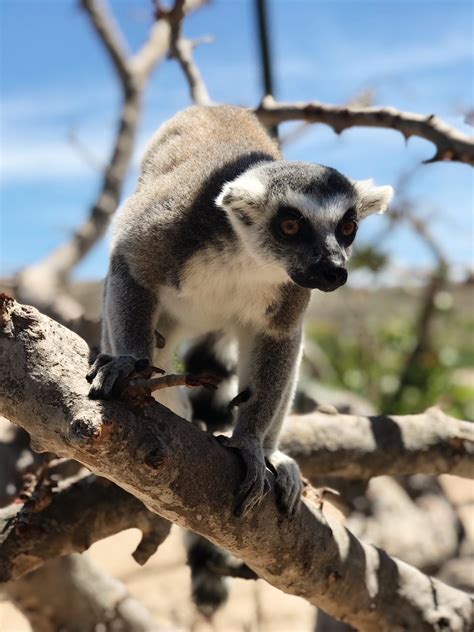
{"x":450,"y":143}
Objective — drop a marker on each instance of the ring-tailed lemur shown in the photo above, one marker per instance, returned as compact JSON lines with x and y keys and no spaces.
{"x":223,"y":235}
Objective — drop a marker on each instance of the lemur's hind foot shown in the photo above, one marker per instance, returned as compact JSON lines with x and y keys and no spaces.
{"x":289,"y":485}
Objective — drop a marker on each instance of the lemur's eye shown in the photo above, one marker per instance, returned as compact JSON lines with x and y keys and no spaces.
{"x":290,"y":227}
{"x":348,"y":228}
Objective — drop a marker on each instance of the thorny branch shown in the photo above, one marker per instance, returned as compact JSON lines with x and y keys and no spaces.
{"x":187,"y":477}
{"x":450,"y":143}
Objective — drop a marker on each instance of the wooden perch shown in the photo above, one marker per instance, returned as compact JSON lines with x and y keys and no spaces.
{"x":186,"y":476}
{"x":450,"y":143}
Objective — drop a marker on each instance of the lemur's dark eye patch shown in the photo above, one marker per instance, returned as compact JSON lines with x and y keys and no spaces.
{"x":289,"y":224}
{"x":347,"y":228}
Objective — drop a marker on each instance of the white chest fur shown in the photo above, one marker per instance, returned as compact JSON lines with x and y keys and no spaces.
{"x":222,"y":292}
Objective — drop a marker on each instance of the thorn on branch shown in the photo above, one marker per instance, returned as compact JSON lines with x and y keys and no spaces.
{"x":160,"y":340}
{"x":240,"y":398}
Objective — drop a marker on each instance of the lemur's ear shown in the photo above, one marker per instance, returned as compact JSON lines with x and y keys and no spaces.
{"x":372,"y":199}
{"x":244,"y":193}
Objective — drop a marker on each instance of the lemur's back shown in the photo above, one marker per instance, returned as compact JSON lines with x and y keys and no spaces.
{"x":201,"y":148}
{"x":208,"y":136}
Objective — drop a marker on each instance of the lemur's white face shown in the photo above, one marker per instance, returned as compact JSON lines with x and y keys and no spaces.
{"x":302,"y":217}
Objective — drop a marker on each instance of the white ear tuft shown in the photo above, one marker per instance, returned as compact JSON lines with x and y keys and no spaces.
{"x":245,"y":190}
{"x":372,"y":199}
{"x":225,"y":195}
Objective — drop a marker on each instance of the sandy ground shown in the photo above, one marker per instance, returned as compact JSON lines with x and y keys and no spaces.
{"x":163,"y":585}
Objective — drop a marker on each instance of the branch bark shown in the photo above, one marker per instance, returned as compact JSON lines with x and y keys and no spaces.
{"x":359,"y":447}
{"x":186,"y":476}
{"x":77,"y":516}
{"x":450,"y":143}
{"x":73,"y":594}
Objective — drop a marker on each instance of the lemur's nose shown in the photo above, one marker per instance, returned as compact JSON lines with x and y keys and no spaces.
{"x":335,"y":276}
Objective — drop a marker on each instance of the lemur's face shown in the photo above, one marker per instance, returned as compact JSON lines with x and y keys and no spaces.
{"x":301,"y":217}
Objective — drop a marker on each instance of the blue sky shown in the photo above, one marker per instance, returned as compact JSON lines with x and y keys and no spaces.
{"x":55,"y":77}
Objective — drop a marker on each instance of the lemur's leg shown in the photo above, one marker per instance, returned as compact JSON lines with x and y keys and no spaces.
{"x":267,"y":367}
{"x":288,"y":476}
{"x":130,"y":312}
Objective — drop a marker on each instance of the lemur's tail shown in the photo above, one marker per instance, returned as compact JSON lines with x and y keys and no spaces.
{"x":209,"y":589}
{"x":214,"y":354}
{"x":210,"y":354}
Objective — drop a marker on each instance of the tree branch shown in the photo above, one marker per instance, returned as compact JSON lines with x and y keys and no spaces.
{"x":182,"y":51}
{"x":75,"y":517}
{"x":357,"y":447}
{"x":186,"y":476}
{"x":450,"y":143}
{"x":109,"y":34}
{"x":73,"y":594}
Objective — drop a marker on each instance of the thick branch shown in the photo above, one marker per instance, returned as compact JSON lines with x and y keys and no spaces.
{"x":357,"y":447}
{"x":450,"y":143}
{"x":186,"y":476}
{"x":76,"y":517}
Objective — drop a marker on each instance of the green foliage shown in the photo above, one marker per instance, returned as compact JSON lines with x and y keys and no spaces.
{"x":370,"y":357}
{"x":369,"y":257}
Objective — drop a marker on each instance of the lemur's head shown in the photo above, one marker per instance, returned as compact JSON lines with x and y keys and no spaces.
{"x":301,"y":216}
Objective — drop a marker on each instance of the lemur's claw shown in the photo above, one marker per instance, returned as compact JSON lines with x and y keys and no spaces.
{"x":108,"y":375}
{"x":288,"y":483}
{"x":255,"y":486}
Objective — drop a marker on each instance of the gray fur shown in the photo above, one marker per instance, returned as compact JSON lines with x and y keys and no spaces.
{"x":197,"y":249}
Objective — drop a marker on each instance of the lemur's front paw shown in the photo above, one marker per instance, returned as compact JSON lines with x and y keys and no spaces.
{"x":109,"y":374}
{"x":255,"y":486}
{"x":289,"y":485}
